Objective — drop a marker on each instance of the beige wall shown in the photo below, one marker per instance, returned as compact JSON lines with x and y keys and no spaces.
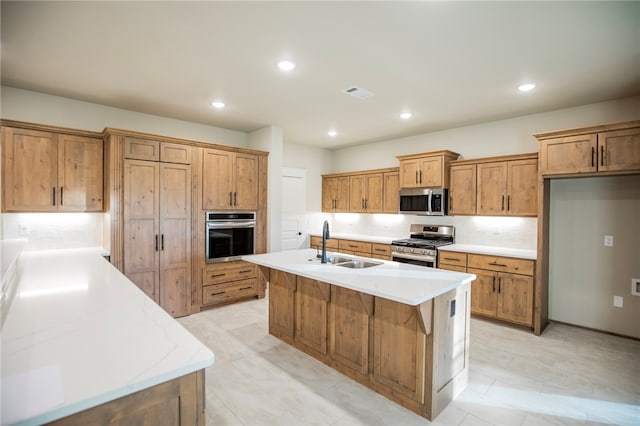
{"x":584,"y":274}
{"x":34,"y":107}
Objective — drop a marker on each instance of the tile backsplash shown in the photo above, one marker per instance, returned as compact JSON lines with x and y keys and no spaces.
{"x":509,"y":232}
{"x":45,"y":231}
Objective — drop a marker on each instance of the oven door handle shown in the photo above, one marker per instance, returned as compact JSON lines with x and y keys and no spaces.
{"x":421,"y":257}
{"x":225,"y":225}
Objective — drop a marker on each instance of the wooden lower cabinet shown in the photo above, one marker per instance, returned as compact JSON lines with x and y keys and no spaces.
{"x":226,"y":282}
{"x":311,"y":312}
{"x":176,"y":402}
{"x":356,"y":248}
{"x":417,"y":356}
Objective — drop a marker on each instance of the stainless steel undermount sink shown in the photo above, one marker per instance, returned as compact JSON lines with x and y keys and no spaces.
{"x":358,"y":264}
{"x":338,"y":259}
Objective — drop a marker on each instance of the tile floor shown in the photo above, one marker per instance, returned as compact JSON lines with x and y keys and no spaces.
{"x":567,"y":376}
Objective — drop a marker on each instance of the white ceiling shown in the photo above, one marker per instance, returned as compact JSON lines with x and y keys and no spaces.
{"x":450,"y":63}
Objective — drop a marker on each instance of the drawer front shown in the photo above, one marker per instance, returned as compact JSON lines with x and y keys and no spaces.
{"x":381,"y":251}
{"x":452,"y":258}
{"x":228,"y":291}
{"x":453,"y":268}
{"x":175,"y":153}
{"x":356,"y":246}
{"x":141,"y":149}
{"x":501,"y":264}
{"x":215,"y":274}
{"x":316,"y":242}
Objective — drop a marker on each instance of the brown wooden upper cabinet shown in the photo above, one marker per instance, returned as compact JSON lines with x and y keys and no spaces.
{"x":594,"y":150}
{"x":335,"y":194}
{"x":45,"y":171}
{"x":165,"y":152}
{"x":426,"y":170}
{"x":391,"y":192}
{"x":229,"y":180}
{"x":495,"y":186}
{"x":365,"y":193}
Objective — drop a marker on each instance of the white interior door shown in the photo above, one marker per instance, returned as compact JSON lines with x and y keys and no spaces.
{"x":293,"y":209}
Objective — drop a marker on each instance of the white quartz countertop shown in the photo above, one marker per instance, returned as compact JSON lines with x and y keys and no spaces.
{"x":495,"y":251}
{"x":79,"y":334}
{"x":358,"y":237}
{"x":400,"y":282}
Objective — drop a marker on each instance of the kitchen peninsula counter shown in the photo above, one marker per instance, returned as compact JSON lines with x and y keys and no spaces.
{"x":401,"y":330}
{"x":81,"y":340}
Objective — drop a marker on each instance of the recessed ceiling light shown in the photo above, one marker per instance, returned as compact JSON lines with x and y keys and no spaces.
{"x":286,"y":65}
{"x":332,"y":133}
{"x":406,"y":115}
{"x":527,"y":87}
{"x":217,"y":104}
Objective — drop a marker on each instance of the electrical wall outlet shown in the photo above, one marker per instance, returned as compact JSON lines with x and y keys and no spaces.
{"x":23,"y":229}
{"x":618,"y":301}
{"x":635,"y":286}
{"x":608,"y":240}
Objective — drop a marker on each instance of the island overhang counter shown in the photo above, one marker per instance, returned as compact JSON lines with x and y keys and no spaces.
{"x":399,"y":329}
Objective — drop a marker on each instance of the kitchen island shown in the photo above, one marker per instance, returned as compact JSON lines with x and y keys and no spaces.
{"x":399,"y":329}
{"x":81,"y":344}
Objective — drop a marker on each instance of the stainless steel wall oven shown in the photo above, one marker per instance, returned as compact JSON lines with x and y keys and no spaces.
{"x":229,"y":236}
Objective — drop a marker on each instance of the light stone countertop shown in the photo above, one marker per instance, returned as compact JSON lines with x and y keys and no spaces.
{"x":79,"y":334}
{"x":495,"y":251}
{"x":400,"y":282}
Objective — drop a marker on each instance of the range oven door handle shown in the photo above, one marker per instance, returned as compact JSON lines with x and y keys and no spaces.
{"x":420,"y":257}
{"x":225,"y":225}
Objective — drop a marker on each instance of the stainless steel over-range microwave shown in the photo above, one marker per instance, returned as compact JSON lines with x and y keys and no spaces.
{"x":424,"y":201}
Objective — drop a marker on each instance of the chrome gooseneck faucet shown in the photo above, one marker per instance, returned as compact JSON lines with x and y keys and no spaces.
{"x":325,"y":237}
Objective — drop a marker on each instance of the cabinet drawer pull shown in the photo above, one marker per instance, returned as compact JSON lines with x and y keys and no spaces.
{"x":420,"y":176}
{"x":503,"y":202}
{"x":494,"y":284}
{"x":62,"y":195}
{"x":235,"y":199}
{"x":162,"y":242}
{"x":156,"y":242}
{"x":417,"y":177}
{"x":246,"y":271}
{"x":452,"y":258}
{"x":508,"y":202}
{"x":499,"y":285}
{"x":602,"y":155}
{"x":498,"y":264}
{"x":217,"y":293}
{"x":352,"y":246}
{"x":246,"y":288}
{"x":593,"y":153}
{"x":217,"y":275}
{"x":53,"y":191}
{"x":231,"y":198}
{"x":380,"y":250}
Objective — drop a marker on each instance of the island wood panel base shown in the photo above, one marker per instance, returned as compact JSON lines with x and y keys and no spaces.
{"x":416,"y":356}
{"x":177,"y":402}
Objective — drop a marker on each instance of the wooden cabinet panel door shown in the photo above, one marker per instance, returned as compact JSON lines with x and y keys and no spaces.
{"x":282,"y":288}
{"x":342,"y":195}
{"x":522,"y":188}
{"x":391,"y":192}
{"x":349,"y":319}
{"x":574,"y":154}
{"x":398,"y":348}
{"x":175,"y":238}
{"x":484,"y":299}
{"x":410,"y":173}
{"x":217,"y":175}
{"x":515,"y":298}
{"x":373,"y":197}
{"x":142,"y":227}
{"x":329,"y":190}
{"x":462,"y":192}
{"x":492,"y":188}
{"x":80,"y":171}
{"x":311,"y":308}
{"x":246,"y":182}
{"x":431,"y":172}
{"x":30,"y":170}
{"x":357,"y":193}
{"x":619,"y":150}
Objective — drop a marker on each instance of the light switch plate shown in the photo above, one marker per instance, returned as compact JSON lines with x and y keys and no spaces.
{"x":608,"y":240}
{"x":618,"y":301}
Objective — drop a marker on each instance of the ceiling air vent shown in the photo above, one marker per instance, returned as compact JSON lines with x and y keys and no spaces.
{"x":358,"y":92}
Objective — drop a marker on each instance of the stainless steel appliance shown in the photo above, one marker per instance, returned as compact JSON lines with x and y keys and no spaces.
{"x":229,"y":236}
{"x":422,"y":248}
{"x":424,"y":201}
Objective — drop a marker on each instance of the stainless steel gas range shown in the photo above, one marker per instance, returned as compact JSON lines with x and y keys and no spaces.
{"x":422,"y":248}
